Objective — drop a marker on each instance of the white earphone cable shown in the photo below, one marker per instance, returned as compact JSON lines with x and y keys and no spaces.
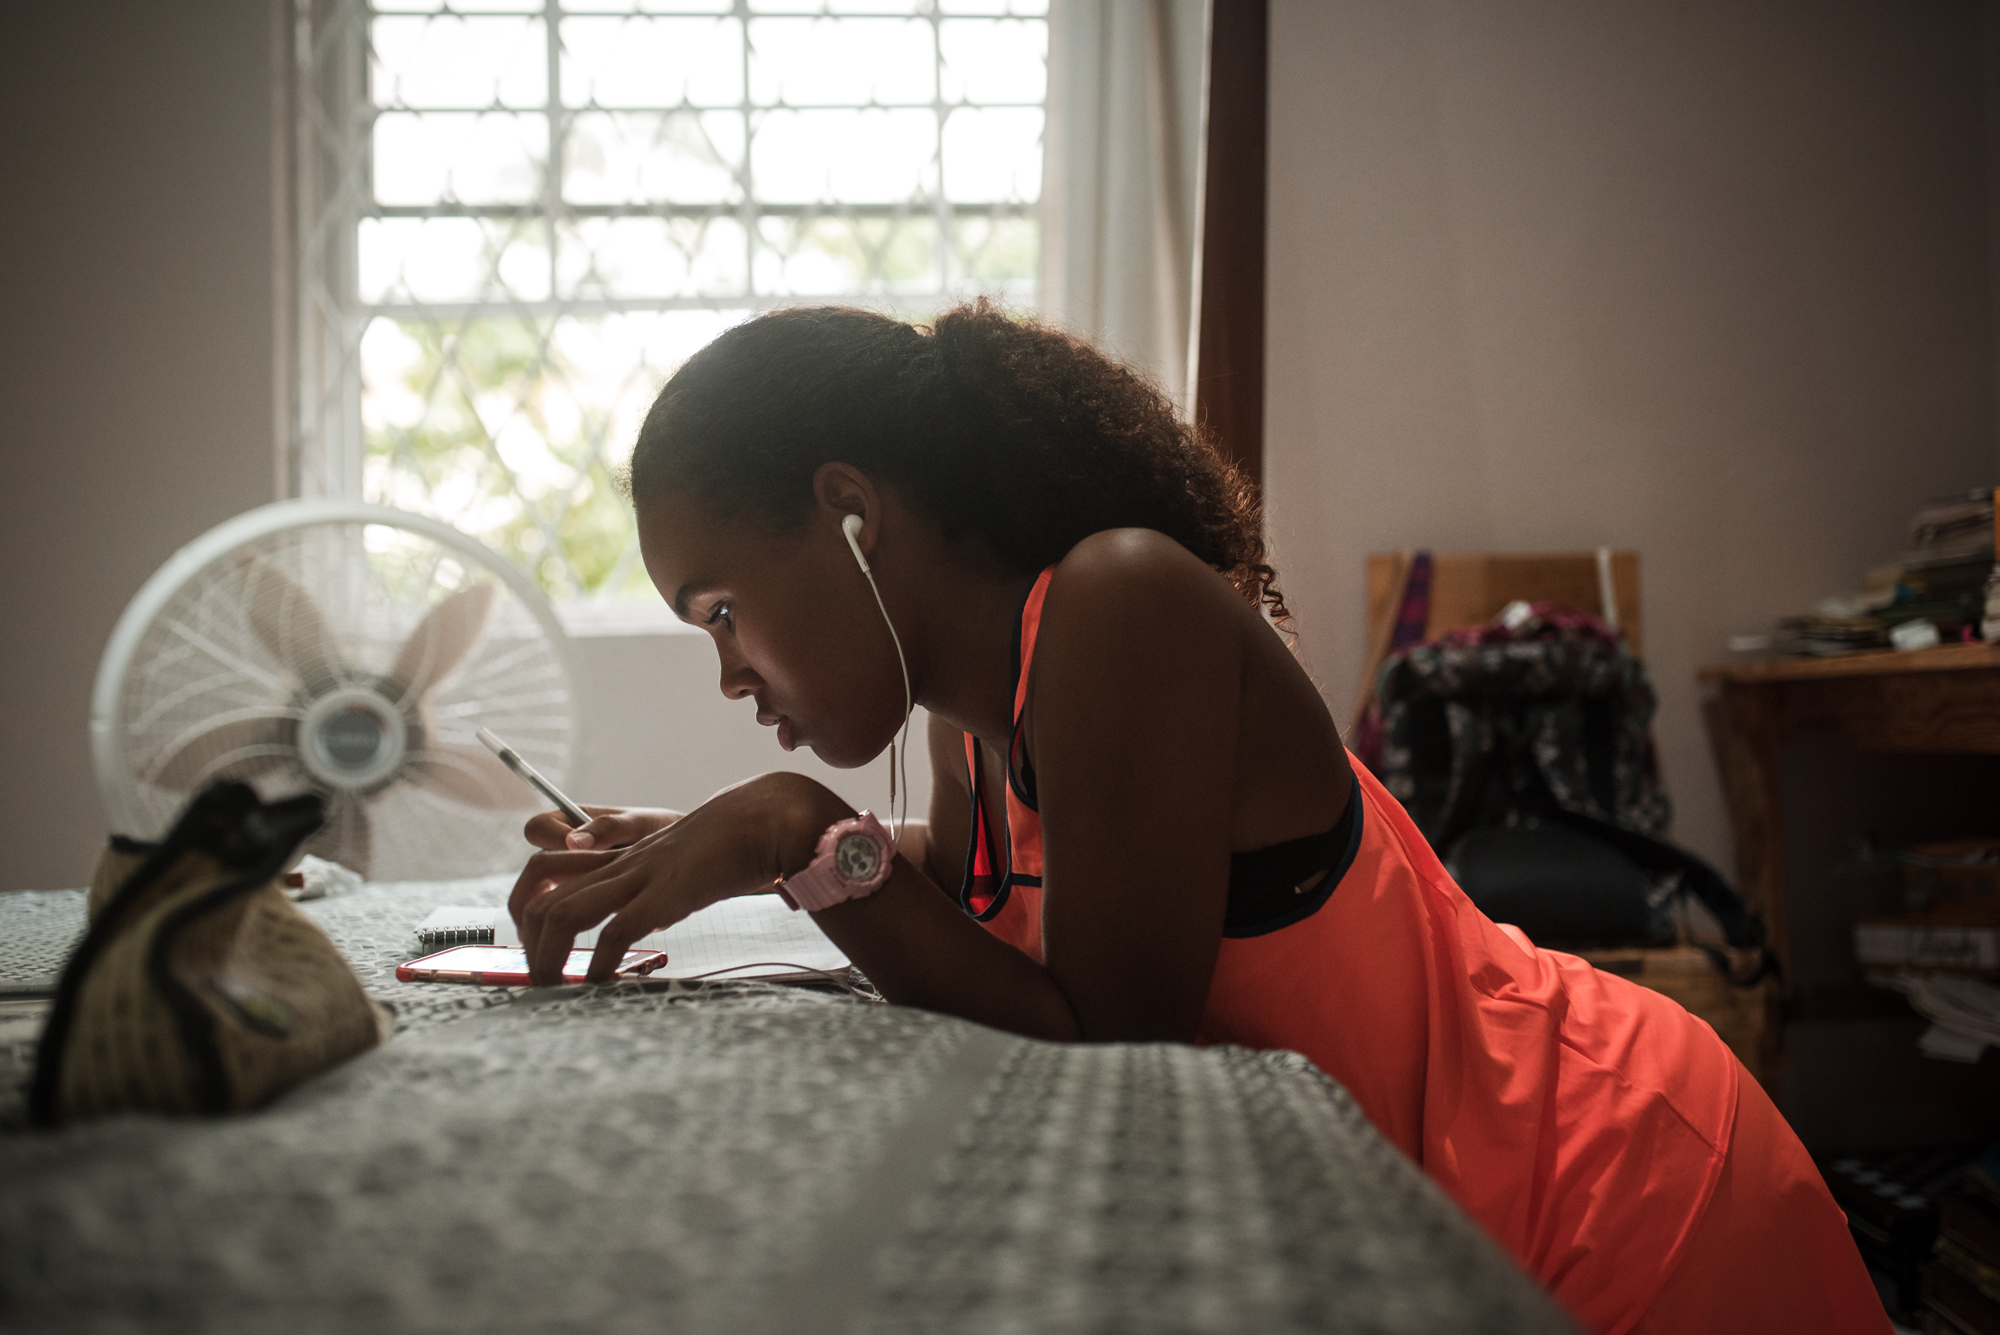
{"x":909,"y":708}
{"x":899,"y":756}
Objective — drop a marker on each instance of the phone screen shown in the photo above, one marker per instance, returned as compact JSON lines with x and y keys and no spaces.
{"x":507,"y":966}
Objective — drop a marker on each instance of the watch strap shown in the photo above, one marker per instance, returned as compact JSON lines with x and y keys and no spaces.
{"x":853,"y":859}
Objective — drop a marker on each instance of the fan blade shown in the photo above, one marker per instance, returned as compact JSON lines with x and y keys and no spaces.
{"x":290,"y":623}
{"x":345,"y":838}
{"x":472,"y":775}
{"x":442,"y":639}
{"x":239,"y":749}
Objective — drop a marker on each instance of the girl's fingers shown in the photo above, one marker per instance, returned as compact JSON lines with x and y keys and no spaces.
{"x":652,"y":911}
{"x":609,"y":831}
{"x":555,"y":919}
{"x":549,"y":868}
{"x":546,"y":829}
{"x":668,"y":866}
{"x":552,"y":830}
{"x":540,"y":917}
{"x":620,"y":828}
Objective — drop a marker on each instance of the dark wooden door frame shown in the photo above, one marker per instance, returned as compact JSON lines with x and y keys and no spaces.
{"x":1228,"y":379}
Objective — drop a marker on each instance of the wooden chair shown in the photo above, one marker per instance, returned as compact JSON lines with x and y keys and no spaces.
{"x":1470,"y":589}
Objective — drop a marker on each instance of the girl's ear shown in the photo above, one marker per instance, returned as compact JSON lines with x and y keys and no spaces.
{"x":844,"y":491}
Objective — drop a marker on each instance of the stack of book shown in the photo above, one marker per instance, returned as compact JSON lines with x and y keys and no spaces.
{"x":1953,"y":531}
{"x":1961,"y":1285}
{"x":1938,"y":585}
{"x":1830,"y":632}
{"x":1945,"y":570}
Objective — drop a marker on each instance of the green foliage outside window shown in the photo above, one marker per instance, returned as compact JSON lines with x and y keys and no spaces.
{"x":506,"y":446}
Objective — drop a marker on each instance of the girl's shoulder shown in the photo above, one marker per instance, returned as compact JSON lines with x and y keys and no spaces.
{"x":1140,"y":575}
{"x":1132,"y":610}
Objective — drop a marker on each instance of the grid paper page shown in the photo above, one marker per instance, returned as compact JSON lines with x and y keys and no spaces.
{"x":739,"y":932}
{"x":743,"y":931}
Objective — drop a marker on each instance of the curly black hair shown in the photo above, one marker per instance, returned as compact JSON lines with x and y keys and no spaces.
{"x":999,"y":427}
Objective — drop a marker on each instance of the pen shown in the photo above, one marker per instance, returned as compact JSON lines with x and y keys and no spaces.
{"x":578,"y":817}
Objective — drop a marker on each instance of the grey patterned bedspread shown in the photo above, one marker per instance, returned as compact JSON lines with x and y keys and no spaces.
{"x":741,"y":1158}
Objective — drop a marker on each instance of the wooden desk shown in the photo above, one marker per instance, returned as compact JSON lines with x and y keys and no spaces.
{"x":1944,"y":700}
{"x":1816,"y":753}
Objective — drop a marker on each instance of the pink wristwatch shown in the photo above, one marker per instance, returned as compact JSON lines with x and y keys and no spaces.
{"x":854,"y":859}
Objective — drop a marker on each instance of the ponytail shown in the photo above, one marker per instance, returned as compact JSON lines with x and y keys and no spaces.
{"x":1008,"y":430}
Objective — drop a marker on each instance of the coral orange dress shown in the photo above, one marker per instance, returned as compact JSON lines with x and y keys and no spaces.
{"x":1584,"y":1122}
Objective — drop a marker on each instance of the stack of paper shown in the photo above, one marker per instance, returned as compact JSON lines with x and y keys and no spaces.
{"x":1964,"y":1014}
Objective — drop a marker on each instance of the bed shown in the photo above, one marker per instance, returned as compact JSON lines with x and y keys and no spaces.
{"x":736,"y":1157}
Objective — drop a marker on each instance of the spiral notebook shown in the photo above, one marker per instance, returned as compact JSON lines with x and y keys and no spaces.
{"x":750,"y":936}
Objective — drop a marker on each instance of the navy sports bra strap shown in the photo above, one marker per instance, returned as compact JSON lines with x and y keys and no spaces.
{"x":983,"y":892}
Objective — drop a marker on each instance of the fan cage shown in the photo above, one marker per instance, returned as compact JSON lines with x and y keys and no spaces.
{"x":186,"y":657}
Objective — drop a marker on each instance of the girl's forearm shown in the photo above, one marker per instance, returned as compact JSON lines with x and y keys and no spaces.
{"x":919,"y":948}
{"x":912,"y":939}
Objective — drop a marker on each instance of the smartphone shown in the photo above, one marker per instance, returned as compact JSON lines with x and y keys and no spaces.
{"x":507,"y":966}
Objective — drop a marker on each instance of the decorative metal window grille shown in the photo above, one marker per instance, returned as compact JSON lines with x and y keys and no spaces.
{"x":518,"y":216}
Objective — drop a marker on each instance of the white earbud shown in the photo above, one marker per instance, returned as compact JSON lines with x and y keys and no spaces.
{"x":851,"y":526}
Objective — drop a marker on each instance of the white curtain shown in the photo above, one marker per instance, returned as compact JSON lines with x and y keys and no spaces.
{"x":1121,"y":170}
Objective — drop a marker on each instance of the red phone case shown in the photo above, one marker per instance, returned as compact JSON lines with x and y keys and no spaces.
{"x":507,"y":966}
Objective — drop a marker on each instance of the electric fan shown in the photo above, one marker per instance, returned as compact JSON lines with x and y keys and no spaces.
{"x":349,"y":650}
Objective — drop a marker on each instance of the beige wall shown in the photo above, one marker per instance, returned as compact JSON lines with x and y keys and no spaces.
{"x":657,"y":732}
{"x":136,"y":360}
{"x":1709,"y":280}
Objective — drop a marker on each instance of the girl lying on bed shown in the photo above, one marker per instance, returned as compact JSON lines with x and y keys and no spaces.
{"x":1143,"y":824}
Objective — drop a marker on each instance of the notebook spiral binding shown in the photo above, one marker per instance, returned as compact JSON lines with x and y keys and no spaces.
{"x":440,"y":938}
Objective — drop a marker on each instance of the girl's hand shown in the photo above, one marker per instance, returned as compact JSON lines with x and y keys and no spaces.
{"x":608,"y":827}
{"x":738,"y":842}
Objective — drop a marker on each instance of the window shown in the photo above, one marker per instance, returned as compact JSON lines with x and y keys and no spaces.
{"x":518,"y":216}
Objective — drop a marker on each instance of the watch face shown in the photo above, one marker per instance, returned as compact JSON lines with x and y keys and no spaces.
{"x":857,"y":857}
